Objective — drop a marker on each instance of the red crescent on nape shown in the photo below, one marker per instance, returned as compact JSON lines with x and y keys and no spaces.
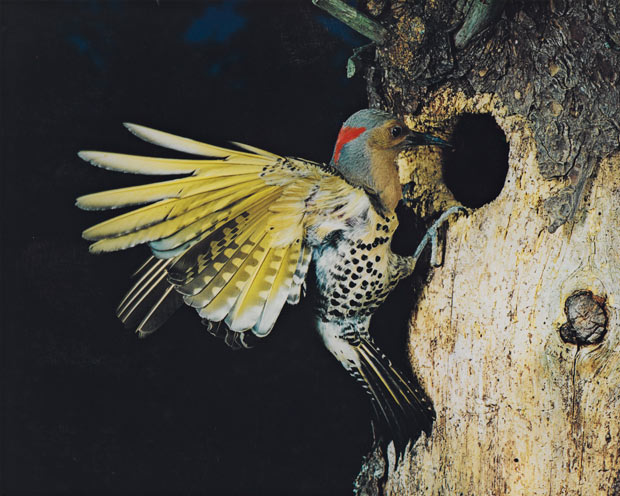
{"x":345,"y":135}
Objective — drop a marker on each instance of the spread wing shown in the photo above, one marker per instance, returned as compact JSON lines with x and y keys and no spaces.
{"x":230,"y":239}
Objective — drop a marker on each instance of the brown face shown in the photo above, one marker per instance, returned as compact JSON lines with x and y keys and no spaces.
{"x":385,"y":142}
{"x":390,"y":136}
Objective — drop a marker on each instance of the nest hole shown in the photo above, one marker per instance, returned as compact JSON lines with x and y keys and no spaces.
{"x":475,"y":169}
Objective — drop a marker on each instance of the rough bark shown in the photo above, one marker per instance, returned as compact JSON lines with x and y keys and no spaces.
{"x":516,"y":337}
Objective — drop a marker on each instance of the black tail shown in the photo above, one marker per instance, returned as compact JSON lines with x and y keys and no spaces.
{"x":402,"y":407}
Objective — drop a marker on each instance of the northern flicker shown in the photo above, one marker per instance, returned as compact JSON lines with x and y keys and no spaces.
{"x":236,"y":237}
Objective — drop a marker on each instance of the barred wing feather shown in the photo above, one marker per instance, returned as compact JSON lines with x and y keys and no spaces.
{"x":230,"y":239}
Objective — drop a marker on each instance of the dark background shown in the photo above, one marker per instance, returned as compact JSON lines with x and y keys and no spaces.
{"x":87,"y":407}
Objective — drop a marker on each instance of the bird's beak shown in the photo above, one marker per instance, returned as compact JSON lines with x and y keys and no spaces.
{"x":421,"y":139}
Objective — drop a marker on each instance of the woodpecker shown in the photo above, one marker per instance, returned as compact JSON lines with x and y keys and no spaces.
{"x":236,"y":237}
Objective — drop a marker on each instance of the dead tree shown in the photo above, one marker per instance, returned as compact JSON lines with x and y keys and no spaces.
{"x":516,"y":337}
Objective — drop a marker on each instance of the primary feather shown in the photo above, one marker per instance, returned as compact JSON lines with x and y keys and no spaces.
{"x":229,"y":239}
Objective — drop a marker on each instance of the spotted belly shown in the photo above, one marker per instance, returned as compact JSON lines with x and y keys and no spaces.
{"x":353,"y":276}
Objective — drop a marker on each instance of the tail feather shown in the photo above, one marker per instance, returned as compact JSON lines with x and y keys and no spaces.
{"x":401,"y":406}
{"x":383,"y":407}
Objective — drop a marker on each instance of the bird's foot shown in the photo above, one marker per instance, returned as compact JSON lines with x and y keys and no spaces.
{"x":432,"y":235}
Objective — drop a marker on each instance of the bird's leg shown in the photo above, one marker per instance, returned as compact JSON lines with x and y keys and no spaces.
{"x":432,"y":236}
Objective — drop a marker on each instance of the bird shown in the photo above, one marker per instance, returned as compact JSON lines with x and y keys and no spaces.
{"x":236,"y":236}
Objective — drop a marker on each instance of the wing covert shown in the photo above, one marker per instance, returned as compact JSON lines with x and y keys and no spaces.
{"x":230,"y":237}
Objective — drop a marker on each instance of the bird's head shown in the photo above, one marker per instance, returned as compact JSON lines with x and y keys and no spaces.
{"x":366,"y":150}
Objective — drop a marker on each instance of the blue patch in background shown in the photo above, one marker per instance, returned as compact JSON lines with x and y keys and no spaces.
{"x":85,"y":47}
{"x":217,"y":23}
{"x":340,"y":30}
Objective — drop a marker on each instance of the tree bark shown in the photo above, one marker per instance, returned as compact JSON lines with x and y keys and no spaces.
{"x":515,"y":338}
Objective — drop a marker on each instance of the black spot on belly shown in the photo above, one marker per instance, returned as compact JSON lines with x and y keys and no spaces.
{"x":364,"y":256}
{"x":359,"y":269}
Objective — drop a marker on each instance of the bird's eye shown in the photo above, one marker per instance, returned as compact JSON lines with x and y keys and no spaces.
{"x":396,"y":131}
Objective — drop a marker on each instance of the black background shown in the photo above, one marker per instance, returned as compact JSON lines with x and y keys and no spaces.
{"x":86,"y":406}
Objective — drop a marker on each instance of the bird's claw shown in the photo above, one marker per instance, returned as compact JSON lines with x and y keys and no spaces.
{"x":455,"y":209}
{"x":432,"y":234}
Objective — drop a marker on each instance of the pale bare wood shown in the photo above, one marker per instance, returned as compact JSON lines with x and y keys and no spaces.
{"x":519,"y":412}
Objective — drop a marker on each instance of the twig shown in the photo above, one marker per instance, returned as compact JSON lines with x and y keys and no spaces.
{"x":480,"y":15}
{"x":354,"y":19}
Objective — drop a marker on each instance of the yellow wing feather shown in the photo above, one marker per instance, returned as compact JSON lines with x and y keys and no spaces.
{"x":197,"y":231}
{"x":167,"y":210}
{"x":137,"y":164}
{"x":180,"y":144}
{"x":147,"y":193}
{"x":279,"y":290}
{"x":222,"y":277}
{"x":249,"y":305}
{"x":221,"y":304}
{"x":231,"y":238}
{"x":216,"y":259}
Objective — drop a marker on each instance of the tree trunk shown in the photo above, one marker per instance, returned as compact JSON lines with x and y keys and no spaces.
{"x":515,"y":338}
